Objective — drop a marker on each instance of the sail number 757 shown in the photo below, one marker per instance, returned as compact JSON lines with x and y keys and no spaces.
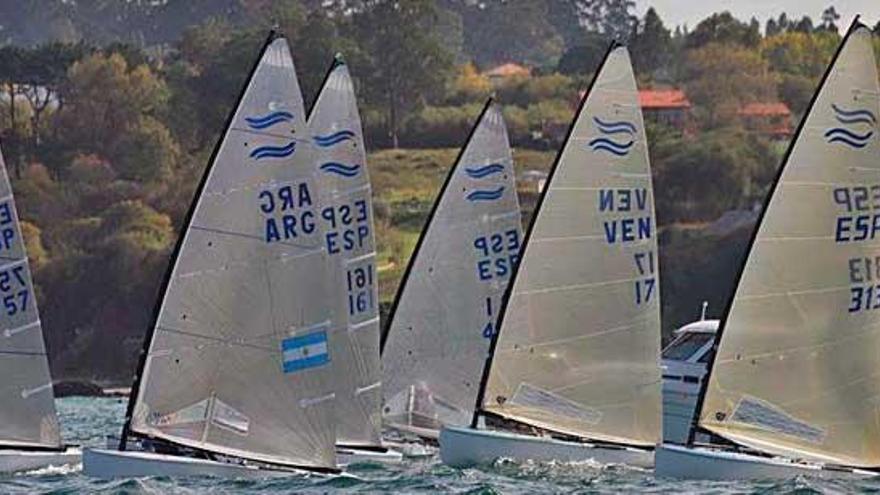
{"x":14,"y":290}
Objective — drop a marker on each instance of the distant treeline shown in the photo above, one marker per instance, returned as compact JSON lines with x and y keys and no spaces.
{"x":109,"y":110}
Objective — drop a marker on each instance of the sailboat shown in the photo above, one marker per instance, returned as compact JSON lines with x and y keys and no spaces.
{"x":444,"y":314}
{"x":792,"y":387}
{"x":347,"y":215}
{"x":29,"y":432}
{"x":573,"y":371}
{"x":238,"y":374}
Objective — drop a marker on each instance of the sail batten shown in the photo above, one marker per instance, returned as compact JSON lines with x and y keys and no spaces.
{"x":577,"y":350}
{"x":445,"y":309}
{"x":347,"y":216}
{"x":795,"y":371}
{"x":238,"y":361}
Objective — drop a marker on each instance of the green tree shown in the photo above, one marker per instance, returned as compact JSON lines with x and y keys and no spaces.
{"x":720,"y":78}
{"x":12,"y":64}
{"x":724,"y":28}
{"x":106,"y":103}
{"x":651,"y":47}
{"x":583,"y":59}
{"x":500,"y":31}
{"x":805,"y":25}
{"x":405,"y":60}
{"x":612,"y":18}
{"x":829,"y":19}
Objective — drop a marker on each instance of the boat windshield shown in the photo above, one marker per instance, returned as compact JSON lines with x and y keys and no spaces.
{"x":686,"y":345}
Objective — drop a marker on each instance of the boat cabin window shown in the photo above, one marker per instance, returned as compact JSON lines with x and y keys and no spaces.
{"x":686,"y":345}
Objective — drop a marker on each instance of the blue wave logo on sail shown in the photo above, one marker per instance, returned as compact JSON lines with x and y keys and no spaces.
{"x":485,"y":194}
{"x":333,"y":139}
{"x":610,"y":142}
{"x":340,"y":169}
{"x":854,"y":134}
{"x":273,"y":151}
{"x":486,"y":171}
{"x":269,"y":120}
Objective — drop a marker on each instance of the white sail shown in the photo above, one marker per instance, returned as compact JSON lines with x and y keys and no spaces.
{"x":27,"y":408}
{"x":239,"y":361}
{"x":578,"y":344}
{"x":445,"y":313}
{"x":347,"y":216}
{"x":797,"y":371}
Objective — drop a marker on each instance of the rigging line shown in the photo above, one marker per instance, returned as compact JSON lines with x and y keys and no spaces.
{"x":610,"y":404}
{"x":800,"y":399}
{"x":356,"y":259}
{"x":831,"y":343}
{"x":582,"y":337}
{"x":249,"y":236}
{"x":365,"y":187}
{"x":17,"y":262}
{"x":9,"y":332}
{"x":578,"y":238}
{"x":791,"y":238}
{"x":286,"y":137}
{"x":562,"y":288}
{"x":23,"y":353}
{"x":752,"y":297}
{"x":218,"y":340}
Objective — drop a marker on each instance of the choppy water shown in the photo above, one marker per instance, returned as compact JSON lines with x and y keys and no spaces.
{"x":86,"y":421}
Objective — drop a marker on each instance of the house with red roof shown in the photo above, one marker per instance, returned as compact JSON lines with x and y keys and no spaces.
{"x":772,"y":119}
{"x":666,"y":106}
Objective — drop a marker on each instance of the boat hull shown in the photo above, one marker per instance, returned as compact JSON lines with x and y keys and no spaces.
{"x":464,"y":447}
{"x":16,"y":461}
{"x":346,"y":455}
{"x":108,"y":464}
{"x":676,"y":461}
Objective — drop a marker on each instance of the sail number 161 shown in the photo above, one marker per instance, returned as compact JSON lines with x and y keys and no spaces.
{"x":360,"y":290}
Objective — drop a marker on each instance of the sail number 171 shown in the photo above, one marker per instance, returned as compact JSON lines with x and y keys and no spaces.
{"x":645,"y":283}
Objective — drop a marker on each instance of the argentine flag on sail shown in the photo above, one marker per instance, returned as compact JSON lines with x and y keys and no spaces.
{"x":305,"y":351}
